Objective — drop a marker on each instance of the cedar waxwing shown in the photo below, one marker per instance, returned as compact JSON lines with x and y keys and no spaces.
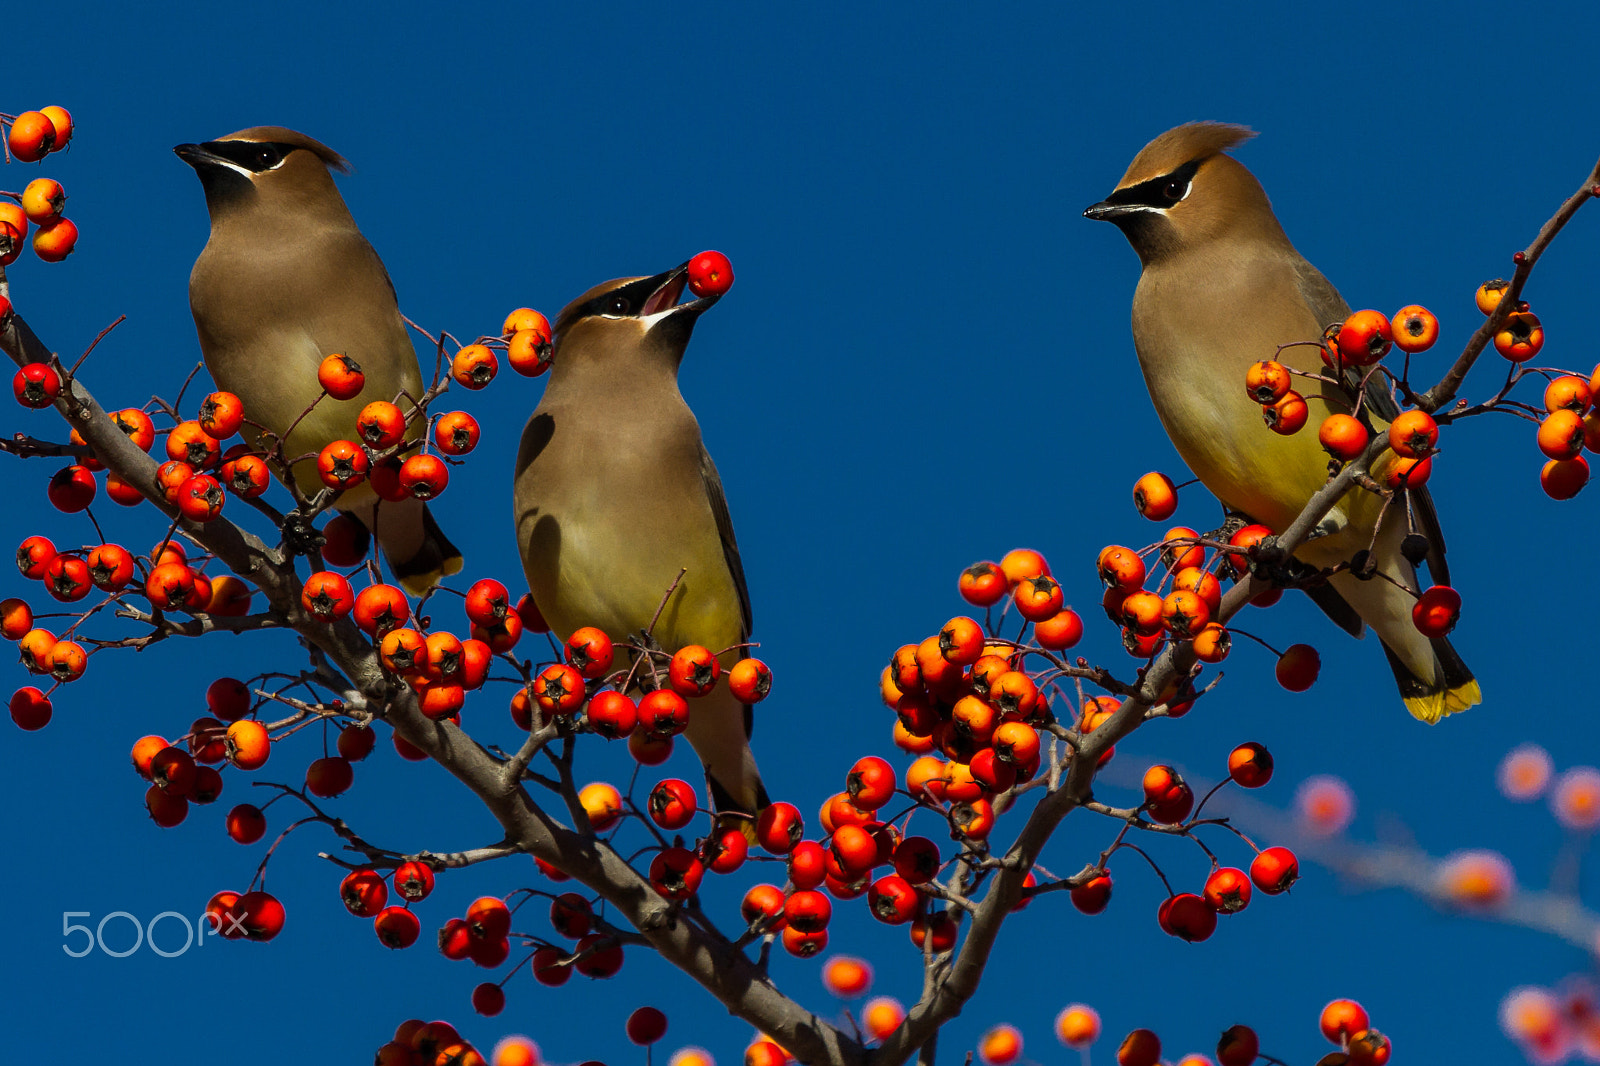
{"x":616,"y":494}
{"x":1222,"y":288}
{"x":285,"y":280}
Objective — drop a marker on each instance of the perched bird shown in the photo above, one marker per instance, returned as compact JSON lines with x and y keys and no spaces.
{"x":285,"y":280}
{"x":1222,"y":288}
{"x":616,"y":495}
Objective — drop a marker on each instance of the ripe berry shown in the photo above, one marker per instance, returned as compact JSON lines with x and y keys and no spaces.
{"x":341,"y":376}
{"x":1227,"y":890}
{"x":1275,"y":870}
{"x":474,"y":366}
{"x":1520,"y":337}
{"x":1364,"y":338}
{"x":750,"y":681}
{"x":1267,"y":382}
{"x":1298,"y":667}
{"x":1187,"y":917}
{"x":1436,"y":611}
{"x":1342,"y":1019}
{"x":32,"y":136}
{"x":1093,"y":895}
{"x":710,"y":274}
{"x":456,"y":433}
{"x":424,"y":476}
{"x":364,"y":892}
{"x":693,"y":671}
{"x":1288,"y":415}
{"x":1155,"y":496}
{"x":1415,"y":329}
{"x":672,"y":804}
{"x":1342,"y":437}
{"x":1414,"y":434}
{"x":646,"y":1026}
{"x":1250,"y":765}
{"x":36,"y":385}
{"x":396,"y":927}
{"x":42,"y":200}
{"x":982,"y":584}
{"x":30,"y":709}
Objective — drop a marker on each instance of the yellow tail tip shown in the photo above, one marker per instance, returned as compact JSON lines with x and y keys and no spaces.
{"x":1436,"y":705}
{"x":418,"y":584}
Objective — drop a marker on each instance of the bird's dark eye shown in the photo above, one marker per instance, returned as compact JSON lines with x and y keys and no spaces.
{"x":618,"y":305}
{"x":1176,"y":189}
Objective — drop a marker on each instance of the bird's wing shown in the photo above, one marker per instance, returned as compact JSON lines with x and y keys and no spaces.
{"x":1330,"y":307}
{"x":730,"y":547}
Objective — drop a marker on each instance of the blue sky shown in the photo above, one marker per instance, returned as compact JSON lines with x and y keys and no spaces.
{"x":925,"y":361}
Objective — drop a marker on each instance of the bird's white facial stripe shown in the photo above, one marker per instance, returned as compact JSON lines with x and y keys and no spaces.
{"x":235,"y":167}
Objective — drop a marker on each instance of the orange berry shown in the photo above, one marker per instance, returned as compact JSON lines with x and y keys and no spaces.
{"x":1288,"y":415}
{"x":1408,"y":473}
{"x":1155,"y":496}
{"x":528,"y":351}
{"x":61,"y":119}
{"x":1562,"y":479}
{"x":602,"y":803}
{"x":42,"y":200}
{"x":474,"y":366}
{"x":1561,"y":434}
{"x":982,"y":584}
{"x":341,"y":376}
{"x":1184,"y":614}
{"x":1415,"y":329}
{"x":248,"y":744}
{"x":1364,"y":338}
{"x":1298,"y":667}
{"x":961,"y":641}
{"x":1121,"y":568}
{"x":1078,"y":1026}
{"x":1520,"y":337}
{"x":456,"y":433}
{"x":32,"y":136}
{"x":1267,"y":382}
{"x":1413,"y":434}
{"x":1250,"y":765}
{"x":1037,"y":598}
{"x":1022,"y":563}
{"x":1570,"y":392}
{"x":1179,"y":557}
{"x":1344,"y":1018}
{"x":1342,"y":437}
{"x":1059,"y":632}
{"x":53,"y":241}
{"x":1212,"y":644}
{"x":1489,"y":294}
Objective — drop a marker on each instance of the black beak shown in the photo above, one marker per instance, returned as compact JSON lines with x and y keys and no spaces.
{"x":1106,"y":211}
{"x":195,"y":155}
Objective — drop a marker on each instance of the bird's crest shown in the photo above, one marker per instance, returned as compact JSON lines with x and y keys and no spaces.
{"x":1183,"y":144}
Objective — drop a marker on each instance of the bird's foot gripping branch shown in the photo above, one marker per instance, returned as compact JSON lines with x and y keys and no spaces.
{"x":996,"y":731}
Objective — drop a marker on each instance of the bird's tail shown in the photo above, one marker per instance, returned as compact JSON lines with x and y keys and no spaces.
{"x":419,"y":553}
{"x":719,"y":730}
{"x":1452,"y":689}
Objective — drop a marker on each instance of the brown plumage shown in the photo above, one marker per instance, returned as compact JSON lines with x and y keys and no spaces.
{"x":615,"y":495}
{"x":1222,"y":288}
{"x":286,"y":279}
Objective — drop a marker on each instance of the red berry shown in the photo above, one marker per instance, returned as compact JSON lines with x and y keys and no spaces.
{"x":710,"y":274}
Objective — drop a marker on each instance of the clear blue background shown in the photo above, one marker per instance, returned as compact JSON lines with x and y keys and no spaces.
{"x":925,"y":361}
